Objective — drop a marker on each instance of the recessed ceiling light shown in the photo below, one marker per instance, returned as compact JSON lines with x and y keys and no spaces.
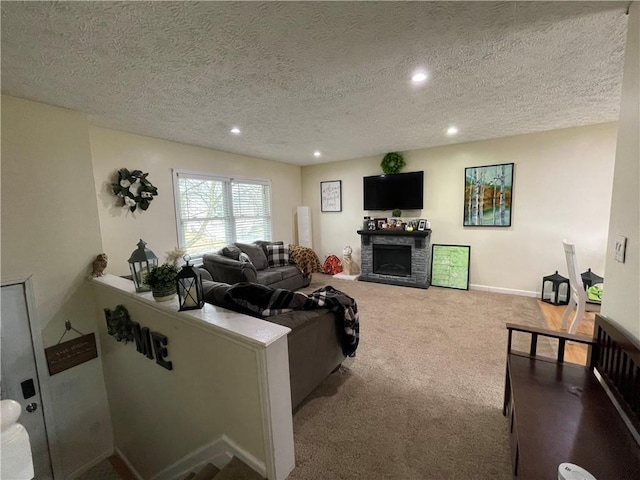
{"x":452,"y":131}
{"x":235,"y":130}
{"x":316,"y":154}
{"x":419,"y":77}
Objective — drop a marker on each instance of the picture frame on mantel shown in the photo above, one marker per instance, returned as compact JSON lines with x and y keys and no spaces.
{"x":331,"y":196}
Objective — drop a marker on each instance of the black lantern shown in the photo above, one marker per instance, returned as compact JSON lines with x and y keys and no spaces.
{"x":589,"y":278}
{"x":189,"y":283}
{"x":551,"y":293}
{"x":141,"y":261}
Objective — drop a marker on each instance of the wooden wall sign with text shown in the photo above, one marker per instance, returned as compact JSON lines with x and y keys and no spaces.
{"x":71,"y":353}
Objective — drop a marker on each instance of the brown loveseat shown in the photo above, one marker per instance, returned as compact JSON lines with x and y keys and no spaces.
{"x":314,"y":341}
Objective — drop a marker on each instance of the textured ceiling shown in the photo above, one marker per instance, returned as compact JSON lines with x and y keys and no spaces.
{"x":328,"y":76}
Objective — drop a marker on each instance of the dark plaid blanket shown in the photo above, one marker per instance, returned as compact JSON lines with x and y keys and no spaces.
{"x":267,"y":301}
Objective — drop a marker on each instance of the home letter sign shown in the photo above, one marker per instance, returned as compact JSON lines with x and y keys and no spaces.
{"x":149,"y":343}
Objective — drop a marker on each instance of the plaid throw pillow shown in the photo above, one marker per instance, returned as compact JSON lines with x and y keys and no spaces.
{"x":278,"y":255}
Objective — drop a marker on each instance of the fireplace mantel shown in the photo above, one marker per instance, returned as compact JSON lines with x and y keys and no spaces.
{"x":419,"y":241}
{"x":419,"y":236}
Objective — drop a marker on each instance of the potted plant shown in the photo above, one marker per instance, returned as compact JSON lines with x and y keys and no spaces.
{"x":162,"y":280}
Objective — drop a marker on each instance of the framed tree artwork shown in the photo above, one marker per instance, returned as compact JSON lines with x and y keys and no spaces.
{"x":331,"y":196}
{"x":488,"y":196}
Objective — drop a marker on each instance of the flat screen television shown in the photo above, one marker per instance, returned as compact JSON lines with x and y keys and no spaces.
{"x":400,"y":190}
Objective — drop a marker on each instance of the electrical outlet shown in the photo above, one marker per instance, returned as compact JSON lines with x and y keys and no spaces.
{"x":620,"y":248}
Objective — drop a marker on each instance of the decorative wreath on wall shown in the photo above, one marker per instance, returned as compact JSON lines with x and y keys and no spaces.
{"x":392,"y":162}
{"x":133,"y":189}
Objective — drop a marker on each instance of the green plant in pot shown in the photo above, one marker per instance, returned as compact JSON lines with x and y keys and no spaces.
{"x":392,"y":162}
{"x":162,"y":280}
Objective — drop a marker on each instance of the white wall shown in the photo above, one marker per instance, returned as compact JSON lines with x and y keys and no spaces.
{"x":622,"y":280}
{"x":562,"y":188}
{"x":50,"y":229}
{"x":121,"y":229}
{"x":221,"y":385}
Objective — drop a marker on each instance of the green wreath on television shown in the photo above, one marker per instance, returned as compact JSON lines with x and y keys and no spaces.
{"x":392,"y":162}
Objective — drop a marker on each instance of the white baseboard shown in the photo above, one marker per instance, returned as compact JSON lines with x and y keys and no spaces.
{"x":219,"y":453}
{"x":87,"y":466}
{"x":246,"y":457}
{"x":128,"y":464}
{"x":507,"y":291}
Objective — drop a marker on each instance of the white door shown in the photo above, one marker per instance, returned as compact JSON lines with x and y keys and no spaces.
{"x":20,"y":377}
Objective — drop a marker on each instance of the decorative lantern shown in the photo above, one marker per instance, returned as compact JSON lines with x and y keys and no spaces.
{"x":189,"y":283}
{"x":589,"y":278}
{"x":551,"y":286}
{"x":141,"y":261}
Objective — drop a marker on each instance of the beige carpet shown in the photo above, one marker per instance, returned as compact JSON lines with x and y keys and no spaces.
{"x":423,"y":397}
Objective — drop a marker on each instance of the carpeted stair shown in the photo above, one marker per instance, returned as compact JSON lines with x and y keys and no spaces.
{"x":235,"y":470}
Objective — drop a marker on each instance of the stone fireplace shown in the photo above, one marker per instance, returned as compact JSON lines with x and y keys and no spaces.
{"x":396,"y":257}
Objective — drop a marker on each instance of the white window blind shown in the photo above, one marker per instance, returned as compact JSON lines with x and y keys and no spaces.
{"x":215,"y":211}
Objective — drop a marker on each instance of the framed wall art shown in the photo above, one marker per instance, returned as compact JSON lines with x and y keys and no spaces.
{"x":450,"y":266}
{"x":331,"y":196}
{"x":488,"y":196}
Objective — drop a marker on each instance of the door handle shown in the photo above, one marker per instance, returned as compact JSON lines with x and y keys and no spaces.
{"x":31,"y":407}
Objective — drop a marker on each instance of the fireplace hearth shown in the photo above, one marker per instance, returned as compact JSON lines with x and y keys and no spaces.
{"x":396,"y":257}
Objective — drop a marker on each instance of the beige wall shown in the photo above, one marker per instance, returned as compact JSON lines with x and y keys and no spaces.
{"x":121,"y":229}
{"x":50,"y":230}
{"x":562,"y":188}
{"x":622,"y":280}
{"x":159,"y":415}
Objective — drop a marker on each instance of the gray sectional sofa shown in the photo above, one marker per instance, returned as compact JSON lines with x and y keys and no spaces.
{"x":259,"y":262}
{"x":315,"y":348}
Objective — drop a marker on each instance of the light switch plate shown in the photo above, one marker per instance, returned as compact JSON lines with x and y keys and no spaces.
{"x":620,"y":248}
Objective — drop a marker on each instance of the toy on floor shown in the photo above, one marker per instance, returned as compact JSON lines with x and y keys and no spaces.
{"x":332,"y":265}
{"x":349,"y":265}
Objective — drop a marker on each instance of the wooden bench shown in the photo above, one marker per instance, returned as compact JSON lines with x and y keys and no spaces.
{"x":562,"y":412}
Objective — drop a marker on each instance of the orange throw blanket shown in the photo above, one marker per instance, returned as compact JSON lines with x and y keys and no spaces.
{"x":305,"y":258}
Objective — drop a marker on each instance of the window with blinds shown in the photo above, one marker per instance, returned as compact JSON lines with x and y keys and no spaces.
{"x":213,"y":212}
